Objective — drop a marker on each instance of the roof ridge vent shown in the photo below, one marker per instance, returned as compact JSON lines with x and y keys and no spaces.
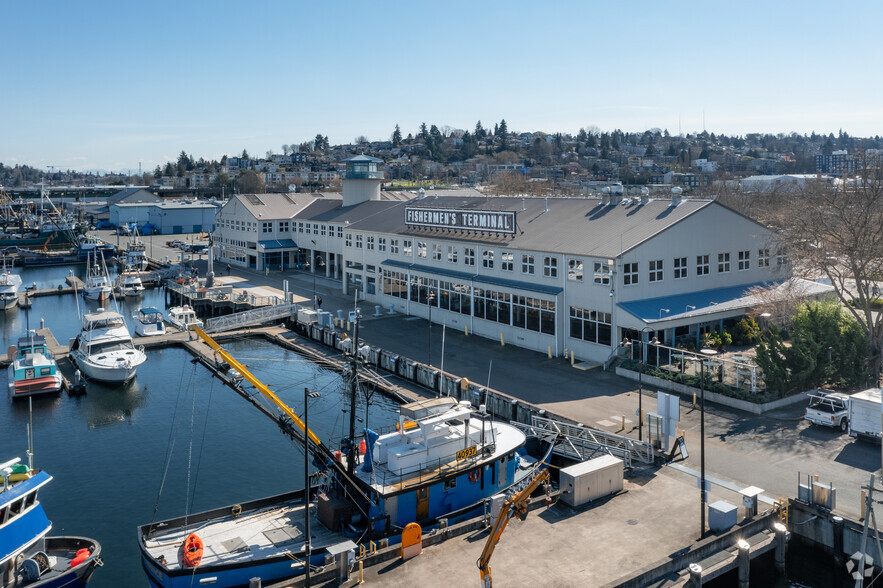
{"x":676,"y":196}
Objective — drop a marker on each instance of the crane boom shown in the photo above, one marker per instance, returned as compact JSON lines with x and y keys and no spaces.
{"x":262,"y":388}
{"x":515,"y":505}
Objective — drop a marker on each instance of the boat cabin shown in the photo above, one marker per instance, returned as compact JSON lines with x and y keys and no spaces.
{"x":19,"y":507}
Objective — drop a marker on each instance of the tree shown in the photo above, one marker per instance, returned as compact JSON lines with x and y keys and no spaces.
{"x":286,"y":149}
{"x":502,"y":133}
{"x":269,"y":154}
{"x":319,"y":143}
{"x":250,"y":182}
{"x":837,"y":231}
{"x":479,"y":133}
{"x":222,"y":179}
{"x":424,"y":133}
{"x":244,"y":154}
{"x":397,"y":137}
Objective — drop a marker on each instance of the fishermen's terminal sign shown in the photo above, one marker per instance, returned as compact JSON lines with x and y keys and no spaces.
{"x":468,"y":220}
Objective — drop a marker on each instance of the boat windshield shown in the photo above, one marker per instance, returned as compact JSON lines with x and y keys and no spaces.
{"x":110,"y":346}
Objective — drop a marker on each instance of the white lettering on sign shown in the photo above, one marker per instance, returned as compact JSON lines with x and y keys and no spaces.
{"x":479,"y":220}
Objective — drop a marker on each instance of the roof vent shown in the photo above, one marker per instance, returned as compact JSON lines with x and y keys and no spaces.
{"x":605,"y":195}
{"x":676,"y":196}
{"x":615,"y":194}
{"x":421,"y":194}
{"x":645,"y":195}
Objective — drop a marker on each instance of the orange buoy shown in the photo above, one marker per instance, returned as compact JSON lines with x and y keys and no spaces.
{"x":81,"y":556}
{"x":192,"y":550}
{"x":362,"y":447}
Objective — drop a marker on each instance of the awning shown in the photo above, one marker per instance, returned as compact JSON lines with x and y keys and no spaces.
{"x":278,"y":244}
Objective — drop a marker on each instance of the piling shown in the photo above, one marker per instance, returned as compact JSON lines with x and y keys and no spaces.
{"x":782,"y":539}
{"x":695,"y":576}
{"x":744,"y":564}
{"x":838,"y":542}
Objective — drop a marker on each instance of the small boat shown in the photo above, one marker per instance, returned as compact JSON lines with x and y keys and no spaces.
{"x":104,"y":350}
{"x":88,"y":245}
{"x":149,"y":322}
{"x":130,"y":285}
{"x":28,"y":557}
{"x":33,"y":371}
{"x":9,"y":285}
{"x":97,"y":283}
{"x":136,"y":255}
{"x":183,"y":318}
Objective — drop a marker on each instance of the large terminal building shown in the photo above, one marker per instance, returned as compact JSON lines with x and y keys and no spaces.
{"x":548,"y":274}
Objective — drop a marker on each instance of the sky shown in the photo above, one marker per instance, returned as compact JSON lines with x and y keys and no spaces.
{"x":101,"y":84}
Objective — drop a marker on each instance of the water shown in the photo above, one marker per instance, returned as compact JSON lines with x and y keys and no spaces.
{"x":107,"y":450}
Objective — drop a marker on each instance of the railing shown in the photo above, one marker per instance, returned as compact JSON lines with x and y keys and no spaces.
{"x":195,"y":290}
{"x":735,"y":370}
{"x":250,"y":317}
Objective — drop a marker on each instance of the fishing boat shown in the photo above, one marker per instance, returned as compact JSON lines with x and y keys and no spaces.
{"x":443,"y":460}
{"x":135,"y":259}
{"x":87,"y":245}
{"x":28,"y":557}
{"x":130,"y":285}
{"x":97,"y":283}
{"x":183,"y":318}
{"x":149,"y":322}
{"x":10,"y":283}
{"x":104,"y":350}
{"x":34,"y":370}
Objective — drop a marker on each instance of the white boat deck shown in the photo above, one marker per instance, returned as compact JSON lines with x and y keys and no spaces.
{"x":276,"y":530}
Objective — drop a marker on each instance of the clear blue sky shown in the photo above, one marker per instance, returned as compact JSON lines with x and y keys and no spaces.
{"x":106,"y":84}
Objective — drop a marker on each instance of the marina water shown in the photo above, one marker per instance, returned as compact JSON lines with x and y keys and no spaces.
{"x":108,"y":450}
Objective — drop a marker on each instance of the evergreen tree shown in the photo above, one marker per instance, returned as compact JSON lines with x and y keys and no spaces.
{"x":480,"y":133}
{"x":503,"y":133}
{"x":424,"y":134}
{"x":397,"y":137}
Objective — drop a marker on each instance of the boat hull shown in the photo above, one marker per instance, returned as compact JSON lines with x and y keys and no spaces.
{"x":77,"y":577}
{"x":149,"y":329}
{"x":35,"y":386}
{"x":99,"y":373}
{"x":9,"y":302}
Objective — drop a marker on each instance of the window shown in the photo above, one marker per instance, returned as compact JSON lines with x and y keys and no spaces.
{"x":630,"y":274}
{"x":394,"y":246}
{"x":381,"y":244}
{"x":723,"y":263}
{"x":469,"y":255}
{"x":452,"y":253}
{"x":359,"y":239}
{"x":680,"y":267}
{"x":308,"y":228}
{"x":487,"y":258}
{"x":590,"y":325}
{"x":781,"y":256}
{"x":348,"y":242}
{"x":533,"y":314}
{"x":702,"y":265}
{"x":322,"y":227}
{"x":575,"y":270}
{"x":527,"y":264}
{"x":763,"y":258}
{"x":507,"y":261}
{"x":339,"y":232}
{"x":283,"y":226}
{"x":602,"y":273}
{"x":315,"y":229}
{"x":550,"y":267}
{"x":421,"y":249}
{"x":300,"y":227}
{"x":370,"y":243}
{"x":744,"y":260}
{"x":267,"y":227}
{"x":436,"y":252}
{"x":656,"y":270}
{"x":407,"y":250}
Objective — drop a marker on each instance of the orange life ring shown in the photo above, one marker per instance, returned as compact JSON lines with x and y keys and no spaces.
{"x":192,"y":550}
{"x":475,"y":475}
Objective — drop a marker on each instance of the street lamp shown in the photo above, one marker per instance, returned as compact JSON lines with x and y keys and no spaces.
{"x":661,"y":310}
{"x":689,"y":308}
{"x":702,"y":493}
{"x":313,"y":270}
{"x":430,"y":298}
{"x":627,"y":343}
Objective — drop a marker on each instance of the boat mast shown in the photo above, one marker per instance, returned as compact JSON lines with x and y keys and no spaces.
{"x":351,"y":458}
{"x":307,"y":544}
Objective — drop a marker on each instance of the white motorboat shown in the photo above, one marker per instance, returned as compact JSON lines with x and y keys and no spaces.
{"x":9,"y":285}
{"x":104,"y":350}
{"x":149,"y":322}
{"x":97,"y":283}
{"x":184,"y":318}
{"x":130,"y":285}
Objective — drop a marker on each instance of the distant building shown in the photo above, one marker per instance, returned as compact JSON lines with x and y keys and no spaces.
{"x":836,"y":164}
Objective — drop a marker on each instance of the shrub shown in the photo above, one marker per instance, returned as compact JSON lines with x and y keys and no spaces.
{"x":746,"y":332}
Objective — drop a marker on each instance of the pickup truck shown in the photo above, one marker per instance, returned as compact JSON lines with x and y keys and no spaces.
{"x":829,"y":409}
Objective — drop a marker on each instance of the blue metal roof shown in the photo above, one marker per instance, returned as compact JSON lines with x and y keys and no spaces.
{"x":496,"y":281}
{"x":678,"y":306}
{"x":149,"y":310}
{"x":278,"y":244}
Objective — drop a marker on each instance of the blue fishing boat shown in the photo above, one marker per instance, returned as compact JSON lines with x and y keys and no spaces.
{"x":442,"y":460}
{"x":28,"y":557}
{"x":34,"y":370}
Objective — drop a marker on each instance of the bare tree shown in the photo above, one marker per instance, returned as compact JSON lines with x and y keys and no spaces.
{"x":837,"y":231}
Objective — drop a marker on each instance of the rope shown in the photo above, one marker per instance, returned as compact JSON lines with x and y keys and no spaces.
{"x":202,"y":441}
{"x":170,"y":446}
{"x":192,"y":388}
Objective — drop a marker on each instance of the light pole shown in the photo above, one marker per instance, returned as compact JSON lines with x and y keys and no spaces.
{"x":313,"y":270}
{"x":430,"y":298}
{"x":642,"y":361}
{"x":703,"y":495}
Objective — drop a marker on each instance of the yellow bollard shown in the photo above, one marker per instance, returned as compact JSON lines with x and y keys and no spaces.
{"x":571,"y":358}
{"x":347,"y":325}
{"x":550,"y":352}
{"x":863,"y":506}
{"x":361,"y":572}
{"x":623,"y":423}
{"x":694,"y":401}
{"x":642,"y":418}
{"x":502,"y":343}
{"x":466,"y":330}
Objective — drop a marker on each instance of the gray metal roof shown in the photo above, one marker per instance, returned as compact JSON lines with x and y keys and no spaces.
{"x":582,"y":226}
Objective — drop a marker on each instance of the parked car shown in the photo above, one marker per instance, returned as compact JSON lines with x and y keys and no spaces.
{"x":176,"y":243}
{"x":123,"y":230}
{"x":829,"y":409}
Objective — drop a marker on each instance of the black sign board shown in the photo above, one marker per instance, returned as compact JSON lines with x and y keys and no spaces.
{"x":495,"y":221}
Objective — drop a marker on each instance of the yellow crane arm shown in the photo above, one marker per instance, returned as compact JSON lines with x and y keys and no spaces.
{"x":516,"y":505}
{"x":262,"y":388}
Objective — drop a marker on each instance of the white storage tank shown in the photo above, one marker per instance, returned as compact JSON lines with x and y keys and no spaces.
{"x":306,"y":316}
{"x":591,"y":480}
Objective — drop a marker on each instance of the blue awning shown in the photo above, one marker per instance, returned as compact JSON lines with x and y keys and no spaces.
{"x":477,"y":278}
{"x":278,"y":244}
{"x":692,"y":304}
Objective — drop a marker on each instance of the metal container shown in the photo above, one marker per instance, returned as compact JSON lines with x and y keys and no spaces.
{"x":591,"y":480}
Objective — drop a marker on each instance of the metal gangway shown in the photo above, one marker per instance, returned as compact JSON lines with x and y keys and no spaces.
{"x":249,"y":318}
{"x":581,"y":443}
